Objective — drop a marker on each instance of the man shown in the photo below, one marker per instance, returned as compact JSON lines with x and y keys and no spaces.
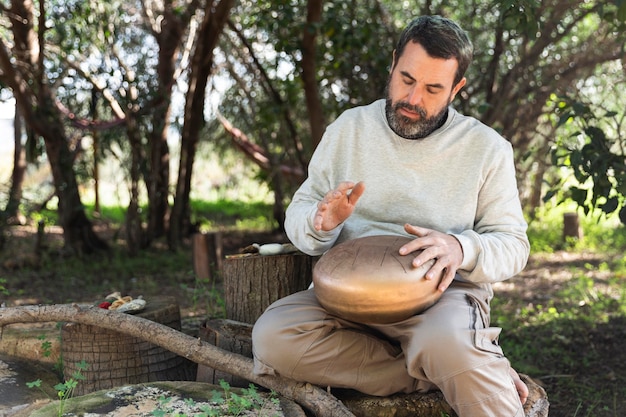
{"x":409,"y":165}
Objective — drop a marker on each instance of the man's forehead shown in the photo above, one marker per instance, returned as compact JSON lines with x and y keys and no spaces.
{"x":419,"y":65}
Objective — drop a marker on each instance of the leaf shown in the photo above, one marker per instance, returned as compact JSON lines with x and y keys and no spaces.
{"x":82,"y":365}
{"x":33,"y":384}
{"x":621,"y":12}
{"x":579,"y":195}
{"x":549,"y":195}
{"x":597,"y":136}
{"x":610,"y":206}
{"x":622,"y":214}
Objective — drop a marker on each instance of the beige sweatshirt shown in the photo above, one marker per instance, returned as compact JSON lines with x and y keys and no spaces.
{"x":459,"y":180}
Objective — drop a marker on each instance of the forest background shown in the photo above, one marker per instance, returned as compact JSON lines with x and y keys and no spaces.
{"x":148,"y":84}
{"x":151,"y":105}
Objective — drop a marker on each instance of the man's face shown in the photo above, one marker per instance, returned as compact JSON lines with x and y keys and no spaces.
{"x":419,"y":90}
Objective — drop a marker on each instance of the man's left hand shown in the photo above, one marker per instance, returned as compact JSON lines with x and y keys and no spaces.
{"x":443,"y":248}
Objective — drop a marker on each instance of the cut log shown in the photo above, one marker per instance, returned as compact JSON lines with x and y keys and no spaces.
{"x":228,"y":334}
{"x":571,"y":227}
{"x":207,"y":252}
{"x":252,"y":283}
{"x":113,"y":359}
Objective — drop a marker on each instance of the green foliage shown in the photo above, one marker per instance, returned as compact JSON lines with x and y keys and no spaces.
{"x":594,"y":149}
{"x":3,"y":288}
{"x":601,"y":233}
{"x":64,"y":390}
{"x":206,"y":296}
{"x":240,"y":215}
{"x":224,"y":403}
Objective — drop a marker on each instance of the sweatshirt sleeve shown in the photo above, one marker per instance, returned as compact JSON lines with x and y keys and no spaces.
{"x":301,"y":211}
{"x":497,"y":247}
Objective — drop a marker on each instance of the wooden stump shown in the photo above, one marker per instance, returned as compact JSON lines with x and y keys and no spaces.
{"x":229,"y":335}
{"x":571,"y":226}
{"x":252,"y":283}
{"x":238,"y":336}
{"x":207,"y":252}
{"x":114,"y":359}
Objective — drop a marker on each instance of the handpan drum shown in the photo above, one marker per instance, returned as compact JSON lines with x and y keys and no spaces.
{"x":366,"y":280}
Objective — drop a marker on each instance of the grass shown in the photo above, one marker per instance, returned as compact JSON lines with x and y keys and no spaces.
{"x":568,"y":333}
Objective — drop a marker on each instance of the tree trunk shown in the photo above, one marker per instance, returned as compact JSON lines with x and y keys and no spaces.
{"x":12,"y":211}
{"x":316,"y":400}
{"x":309,"y":57}
{"x":158,"y":181}
{"x":95,"y":151}
{"x":23,"y":71}
{"x":78,"y":232}
{"x":252,"y":283}
{"x":134,"y":227}
{"x":215,"y":17}
{"x":169,"y":34}
{"x":114,"y":359}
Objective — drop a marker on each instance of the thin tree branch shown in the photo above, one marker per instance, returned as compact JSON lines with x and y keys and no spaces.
{"x":313,"y":398}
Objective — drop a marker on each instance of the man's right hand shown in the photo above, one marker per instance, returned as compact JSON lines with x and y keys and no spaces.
{"x":337,"y":205}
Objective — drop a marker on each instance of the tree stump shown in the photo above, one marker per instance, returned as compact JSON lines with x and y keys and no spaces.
{"x":114,"y":359}
{"x":207,"y":252}
{"x":571,"y":226}
{"x":229,"y":335}
{"x":252,"y":283}
{"x":238,"y":336}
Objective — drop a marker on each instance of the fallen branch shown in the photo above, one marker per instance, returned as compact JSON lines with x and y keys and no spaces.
{"x":315,"y":399}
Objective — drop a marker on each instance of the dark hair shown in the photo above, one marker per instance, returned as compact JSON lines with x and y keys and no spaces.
{"x":441,"y":38}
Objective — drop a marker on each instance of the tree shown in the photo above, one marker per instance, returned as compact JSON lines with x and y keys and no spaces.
{"x":211,"y":26}
{"x":22,"y":61}
{"x":592,"y":145}
{"x":524,"y":52}
{"x":168,"y":25}
{"x":292,"y":66}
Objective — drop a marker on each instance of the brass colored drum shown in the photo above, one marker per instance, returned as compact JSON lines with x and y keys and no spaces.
{"x":366,"y":280}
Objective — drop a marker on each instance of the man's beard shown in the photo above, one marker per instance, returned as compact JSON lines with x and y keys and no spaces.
{"x":409,"y":128}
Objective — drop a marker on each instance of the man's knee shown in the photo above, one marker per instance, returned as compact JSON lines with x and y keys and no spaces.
{"x":449,"y":351}
{"x":266,"y":339}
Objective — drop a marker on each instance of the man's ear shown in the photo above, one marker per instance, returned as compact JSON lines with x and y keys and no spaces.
{"x":393,"y":61}
{"x":457,"y":88}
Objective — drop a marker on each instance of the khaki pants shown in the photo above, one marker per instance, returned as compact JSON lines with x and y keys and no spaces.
{"x":448,"y":347}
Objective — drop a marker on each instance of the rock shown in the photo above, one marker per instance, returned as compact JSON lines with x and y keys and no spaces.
{"x":17,"y":399}
{"x":182,"y":397}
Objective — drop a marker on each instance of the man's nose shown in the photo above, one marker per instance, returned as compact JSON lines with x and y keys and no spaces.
{"x":415,"y":96}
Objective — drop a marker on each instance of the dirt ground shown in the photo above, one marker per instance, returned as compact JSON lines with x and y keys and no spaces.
{"x":540,"y":282}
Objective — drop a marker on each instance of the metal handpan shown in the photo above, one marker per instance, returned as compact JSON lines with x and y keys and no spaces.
{"x":366,"y":280}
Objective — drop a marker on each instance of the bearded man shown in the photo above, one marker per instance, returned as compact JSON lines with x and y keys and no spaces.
{"x":409,"y":165}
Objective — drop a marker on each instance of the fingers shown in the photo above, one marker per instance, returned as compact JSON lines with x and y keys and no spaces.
{"x":337,"y":205}
{"x":356,"y":192}
{"x":521,"y":387}
{"x":443,"y":248}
